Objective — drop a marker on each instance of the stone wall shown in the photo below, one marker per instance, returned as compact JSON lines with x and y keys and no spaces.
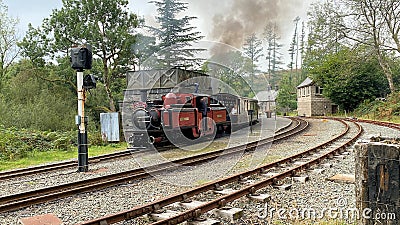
{"x":304,"y":106}
{"x":313,"y":105}
{"x":320,"y":106}
{"x":377,"y":183}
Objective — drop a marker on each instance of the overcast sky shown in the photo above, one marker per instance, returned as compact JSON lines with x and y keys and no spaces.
{"x":281,"y":12}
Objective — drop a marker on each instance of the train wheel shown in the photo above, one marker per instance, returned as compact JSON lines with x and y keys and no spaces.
{"x":228,"y":129}
{"x":220,"y":129}
{"x":188,"y":133}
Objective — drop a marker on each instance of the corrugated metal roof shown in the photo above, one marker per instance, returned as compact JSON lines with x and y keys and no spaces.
{"x":307,"y":82}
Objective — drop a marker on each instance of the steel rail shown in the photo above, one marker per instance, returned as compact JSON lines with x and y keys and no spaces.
{"x":16,"y":201}
{"x":72,"y":163}
{"x":59,"y":165}
{"x":379,"y":123}
{"x":152,"y":207}
{"x":219,"y":202}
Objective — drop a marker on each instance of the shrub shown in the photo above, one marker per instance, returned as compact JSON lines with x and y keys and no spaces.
{"x":379,"y":109}
{"x":17,"y":143}
{"x":28,"y":102}
{"x":95,"y":138}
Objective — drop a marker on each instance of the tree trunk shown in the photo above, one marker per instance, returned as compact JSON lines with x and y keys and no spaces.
{"x":387,"y":71}
{"x":110,"y":99}
{"x":378,"y":44}
{"x":382,"y":61}
{"x":107,"y":87}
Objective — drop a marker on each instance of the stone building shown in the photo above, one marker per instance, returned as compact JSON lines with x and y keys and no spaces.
{"x":267,"y":100}
{"x":311,"y":102}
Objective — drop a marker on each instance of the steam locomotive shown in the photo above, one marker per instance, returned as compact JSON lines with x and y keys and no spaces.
{"x":182,"y":117}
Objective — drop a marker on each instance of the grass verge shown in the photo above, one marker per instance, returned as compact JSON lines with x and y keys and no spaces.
{"x":36,"y":158}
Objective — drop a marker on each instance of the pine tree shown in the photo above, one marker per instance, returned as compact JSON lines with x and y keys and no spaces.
{"x":143,"y":49}
{"x":175,"y":35}
{"x":253,"y":49}
{"x":294,"y":50}
{"x":274,"y":56}
{"x":302,"y":50}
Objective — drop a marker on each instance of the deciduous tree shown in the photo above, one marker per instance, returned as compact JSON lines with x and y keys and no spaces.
{"x":230,"y":67}
{"x":324,"y":37}
{"x":350,"y":77}
{"x":107,"y":25}
{"x":8,"y":40}
{"x":375,"y":23}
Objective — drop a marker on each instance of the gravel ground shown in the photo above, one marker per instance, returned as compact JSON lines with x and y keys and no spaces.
{"x":317,"y":193}
{"x":326,"y":130}
{"x":330,"y":201}
{"x":32,"y":182}
{"x":132,"y":194}
{"x":376,"y":131}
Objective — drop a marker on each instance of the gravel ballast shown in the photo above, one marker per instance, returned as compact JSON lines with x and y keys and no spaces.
{"x":43,"y":180}
{"x":316,"y":192}
{"x":72,"y":214}
{"x":316,"y":200}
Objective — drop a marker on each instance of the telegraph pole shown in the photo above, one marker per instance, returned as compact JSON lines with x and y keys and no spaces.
{"x":81,"y":59}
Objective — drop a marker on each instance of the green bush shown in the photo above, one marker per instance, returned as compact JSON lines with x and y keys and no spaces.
{"x":17,"y":143}
{"x":95,"y":138}
{"x":379,"y":109}
{"x":26,"y":101}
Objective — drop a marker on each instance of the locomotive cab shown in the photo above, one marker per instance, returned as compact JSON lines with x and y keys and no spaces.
{"x":202,"y":104}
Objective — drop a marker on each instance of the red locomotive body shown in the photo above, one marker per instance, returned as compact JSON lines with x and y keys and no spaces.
{"x":161,"y":106}
{"x":181,"y":116}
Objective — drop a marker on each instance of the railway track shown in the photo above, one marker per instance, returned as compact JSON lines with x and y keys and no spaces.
{"x":71,"y":164}
{"x":16,"y":201}
{"x":60,"y":165}
{"x":297,"y":163}
{"x":379,"y":123}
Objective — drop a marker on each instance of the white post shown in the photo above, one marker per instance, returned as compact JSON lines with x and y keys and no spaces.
{"x":83,"y":160}
{"x":81,"y":101}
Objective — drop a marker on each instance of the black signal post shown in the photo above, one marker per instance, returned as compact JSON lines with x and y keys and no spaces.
{"x":250,"y":113}
{"x":81,"y":59}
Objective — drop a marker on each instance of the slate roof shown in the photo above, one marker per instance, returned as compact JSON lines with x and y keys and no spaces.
{"x":307,"y":82}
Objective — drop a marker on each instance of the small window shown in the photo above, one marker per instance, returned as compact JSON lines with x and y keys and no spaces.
{"x":188,"y":99}
{"x":318,"y":90}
